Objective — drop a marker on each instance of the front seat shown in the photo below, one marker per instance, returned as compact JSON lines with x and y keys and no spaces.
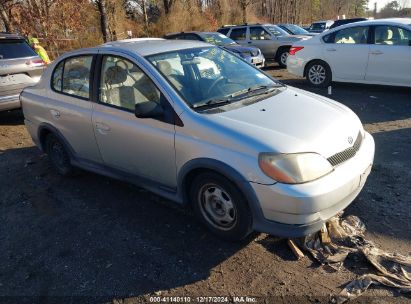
{"x":118,"y":91}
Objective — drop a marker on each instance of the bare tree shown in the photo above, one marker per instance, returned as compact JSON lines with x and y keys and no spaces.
{"x":244,"y":5}
{"x":5,"y":15}
{"x":167,"y":5}
{"x":102,"y":9}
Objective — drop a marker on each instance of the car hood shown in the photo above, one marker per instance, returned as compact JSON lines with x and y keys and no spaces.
{"x":240,"y":48}
{"x":294,"y":121}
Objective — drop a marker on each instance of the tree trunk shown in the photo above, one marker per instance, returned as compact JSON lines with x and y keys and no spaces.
{"x":4,"y":16}
{"x":101,"y":5}
{"x":144,"y":7}
{"x":167,"y":5}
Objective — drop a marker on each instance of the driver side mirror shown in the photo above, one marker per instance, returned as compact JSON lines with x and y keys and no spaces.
{"x":148,"y":109}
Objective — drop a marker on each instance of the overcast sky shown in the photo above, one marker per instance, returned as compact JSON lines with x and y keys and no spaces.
{"x":382,"y":3}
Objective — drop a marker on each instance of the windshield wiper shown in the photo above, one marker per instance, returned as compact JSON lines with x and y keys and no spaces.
{"x":254,"y":91}
{"x":212,"y":103}
{"x":237,"y":96}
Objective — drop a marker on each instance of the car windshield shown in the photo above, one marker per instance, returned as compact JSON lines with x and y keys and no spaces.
{"x":211,"y":76}
{"x":15,"y":48}
{"x":217,"y":39}
{"x":295,"y":29}
{"x":276,"y":30}
{"x":317,"y":26}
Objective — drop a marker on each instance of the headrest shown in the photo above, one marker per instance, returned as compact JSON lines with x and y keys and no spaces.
{"x":115,"y":75}
{"x":164,"y":67}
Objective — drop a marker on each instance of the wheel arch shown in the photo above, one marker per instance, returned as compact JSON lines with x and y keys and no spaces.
{"x":44,"y":130}
{"x":316,"y":60}
{"x":278,"y":52}
{"x":199,"y":165}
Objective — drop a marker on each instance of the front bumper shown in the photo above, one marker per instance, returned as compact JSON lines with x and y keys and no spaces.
{"x":9,"y":102}
{"x":298,"y":210}
{"x":258,"y":61}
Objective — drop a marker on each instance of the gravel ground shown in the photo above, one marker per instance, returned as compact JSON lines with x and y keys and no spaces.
{"x":92,"y":239}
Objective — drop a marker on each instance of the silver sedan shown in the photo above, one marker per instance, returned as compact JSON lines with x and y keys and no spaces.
{"x":201,"y":127}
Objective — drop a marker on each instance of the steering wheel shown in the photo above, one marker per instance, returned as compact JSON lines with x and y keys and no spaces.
{"x":214,"y":83}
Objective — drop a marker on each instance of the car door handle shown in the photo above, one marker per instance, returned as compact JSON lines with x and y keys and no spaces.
{"x":102,"y":127}
{"x":249,"y":42}
{"x":55,"y":113}
{"x":331,"y":50}
{"x":376,"y":53}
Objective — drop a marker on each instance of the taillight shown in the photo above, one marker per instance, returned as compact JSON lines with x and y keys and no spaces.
{"x":35,"y":63}
{"x":295,"y":49}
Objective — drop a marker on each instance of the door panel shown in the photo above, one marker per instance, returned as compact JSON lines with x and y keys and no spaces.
{"x":140,"y":146}
{"x":390,"y":56}
{"x":347,"y":53}
{"x":70,"y":110}
{"x":260,"y":38}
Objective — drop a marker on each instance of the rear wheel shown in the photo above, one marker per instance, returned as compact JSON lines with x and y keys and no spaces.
{"x":58,"y":155}
{"x":319,"y":74}
{"x":282,"y":57}
{"x":220,"y":206}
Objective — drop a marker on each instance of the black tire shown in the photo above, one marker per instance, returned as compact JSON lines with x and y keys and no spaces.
{"x":213,"y":216}
{"x":323,"y":71}
{"x":58,"y":155}
{"x":282,"y":53}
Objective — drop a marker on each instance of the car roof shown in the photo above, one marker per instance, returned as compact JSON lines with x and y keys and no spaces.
{"x":246,"y":24}
{"x":323,"y":21}
{"x":190,"y":32}
{"x":145,"y":47}
{"x":391,"y":21}
{"x":4,"y":35}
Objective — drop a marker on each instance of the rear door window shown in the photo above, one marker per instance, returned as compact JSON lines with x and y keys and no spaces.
{"x":72,"y":76}
{"x":391,"y":35}
{"x":238,"y":33}
{"x":15,"y":48}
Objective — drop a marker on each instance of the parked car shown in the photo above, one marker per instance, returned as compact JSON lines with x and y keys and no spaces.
{"x":320,"y":26}
{"x":272,"y":40}
{"x":196,"y":124}
{"x":20,"y":66}
{"x":346,"y":21}
{"x":293,"y":29}
{"x":251,"y":54}
{"x":373,"y":52}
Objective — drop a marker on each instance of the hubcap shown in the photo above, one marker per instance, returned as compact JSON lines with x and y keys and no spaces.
{"x":284,"y":57}
{"x":217,"y":207}
{"x":316,"y":74}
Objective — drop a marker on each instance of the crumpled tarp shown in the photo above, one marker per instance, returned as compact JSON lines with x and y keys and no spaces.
{"x":342,"y":236}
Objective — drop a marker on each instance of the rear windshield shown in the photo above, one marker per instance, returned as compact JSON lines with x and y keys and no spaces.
{"x":15,"y":48}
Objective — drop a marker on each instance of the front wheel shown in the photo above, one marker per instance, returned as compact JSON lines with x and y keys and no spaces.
{"x":220,"y":206}
{"x":319,"y":74}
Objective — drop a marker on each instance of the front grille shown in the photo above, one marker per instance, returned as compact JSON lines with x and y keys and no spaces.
{"x":346,"y":154}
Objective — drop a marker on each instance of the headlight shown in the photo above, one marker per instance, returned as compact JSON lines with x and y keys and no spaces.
{"x":294,"y":168}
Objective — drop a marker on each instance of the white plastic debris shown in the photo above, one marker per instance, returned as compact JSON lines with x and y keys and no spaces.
{"x":342,"y":236}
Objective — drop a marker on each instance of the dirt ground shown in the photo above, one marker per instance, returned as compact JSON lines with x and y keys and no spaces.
{"x":92,"y":239}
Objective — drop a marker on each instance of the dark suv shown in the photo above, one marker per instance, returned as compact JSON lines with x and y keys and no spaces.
{"x":346,"y":21}
{"x":251,"y":54}
{"x":20,"y":66}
